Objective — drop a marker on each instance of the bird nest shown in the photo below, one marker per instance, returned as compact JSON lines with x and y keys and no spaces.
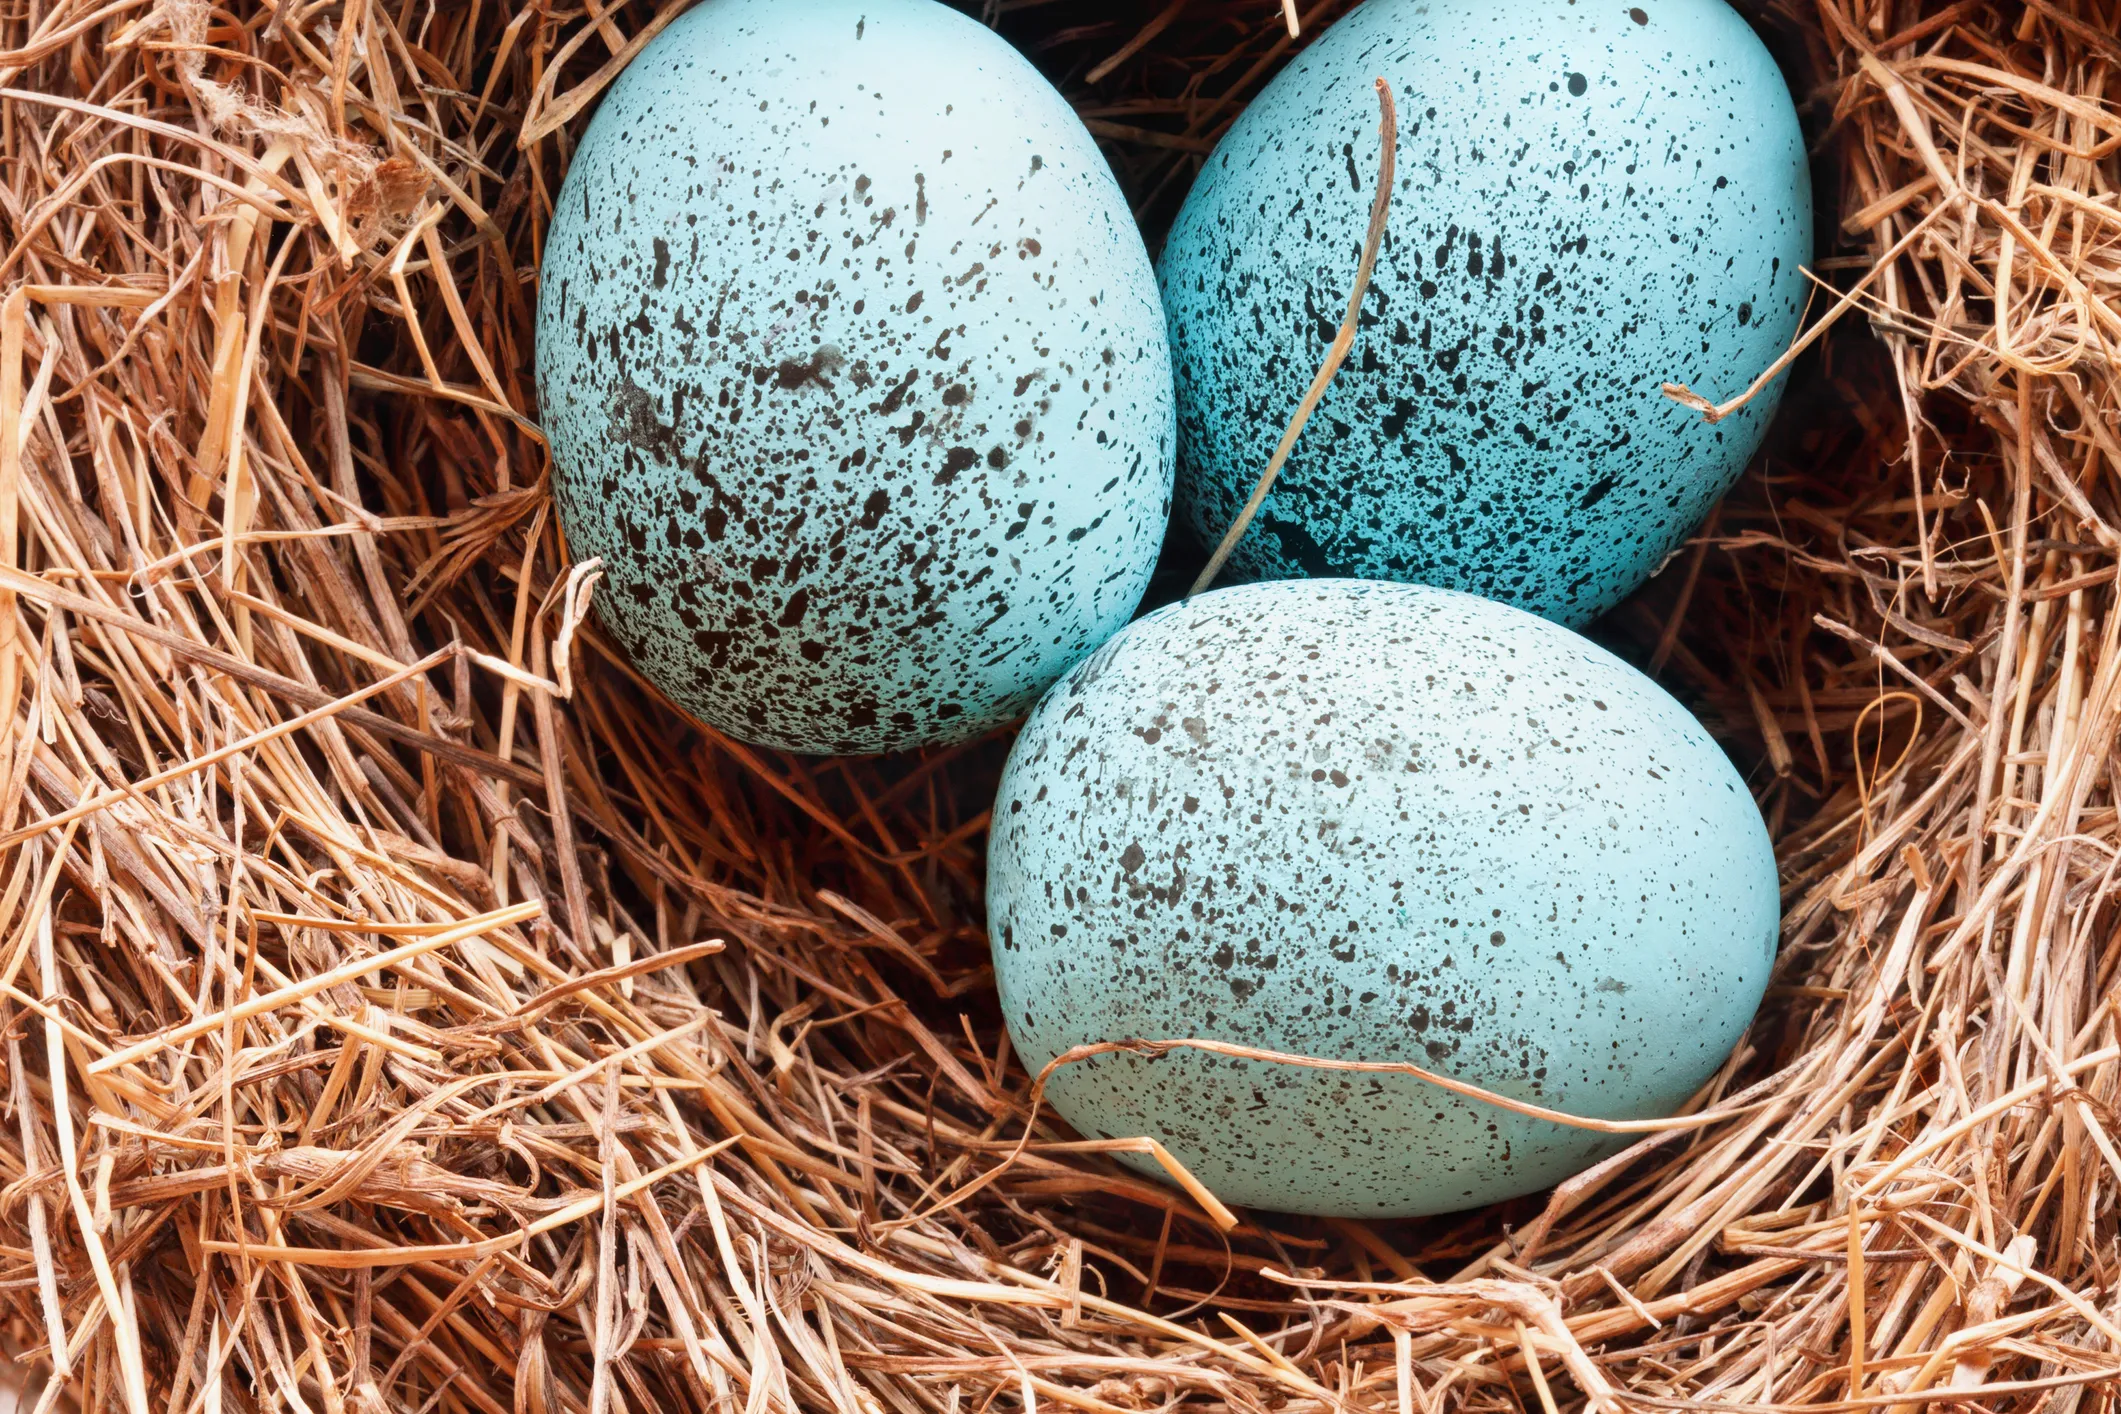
{"x":408,"y":1010}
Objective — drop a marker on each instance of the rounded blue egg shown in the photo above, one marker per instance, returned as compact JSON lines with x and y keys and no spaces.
{"x":1380,"y":822}
{"x":1593,"y":199}
{"x":855,"y":374}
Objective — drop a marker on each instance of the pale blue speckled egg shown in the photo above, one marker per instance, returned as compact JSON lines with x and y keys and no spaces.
{"x":1593,"y":199}
{"x":855,"y":374}
{"x":1381,"y":822}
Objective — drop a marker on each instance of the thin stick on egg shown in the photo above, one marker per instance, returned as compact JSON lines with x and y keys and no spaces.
{"x":1388,"y":130}
{"x":1216,"y":1211}
{"x":1699,"y":1120}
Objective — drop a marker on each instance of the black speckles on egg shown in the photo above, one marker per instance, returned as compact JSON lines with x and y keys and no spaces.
{"x":855,"y":374}
{"x":1382,"y":822}
{"x":1592,"y":201}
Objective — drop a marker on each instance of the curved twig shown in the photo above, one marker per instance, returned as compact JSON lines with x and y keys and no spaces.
{"x":1388,"y":130}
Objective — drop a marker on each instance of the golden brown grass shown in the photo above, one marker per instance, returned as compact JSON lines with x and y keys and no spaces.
{"x":406,"y":1011}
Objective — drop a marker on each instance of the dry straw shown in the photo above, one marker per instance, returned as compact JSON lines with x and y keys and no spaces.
{"x":405,"y":1011}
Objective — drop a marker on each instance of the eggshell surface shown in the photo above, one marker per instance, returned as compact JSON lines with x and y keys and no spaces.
{"x":855,"y":374}
{"x":1377,"y":822}
{"x":1592,"y":199}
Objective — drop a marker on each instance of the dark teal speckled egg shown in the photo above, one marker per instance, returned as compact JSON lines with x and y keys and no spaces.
{"x":855,"y":374}
{"x":1593,"y":199}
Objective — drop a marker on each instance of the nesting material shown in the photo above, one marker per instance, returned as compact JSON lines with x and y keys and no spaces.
{"x":407,"y":1011}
